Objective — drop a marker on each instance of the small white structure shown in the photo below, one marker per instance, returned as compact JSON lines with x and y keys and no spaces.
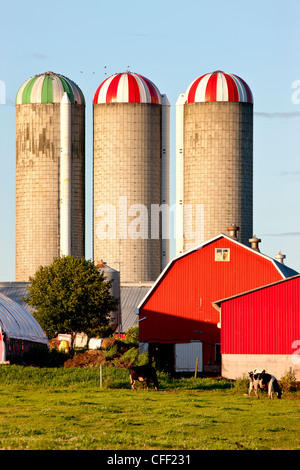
{"x":95,"y":343}
{"x":188,"y":356}
{"x":80,"y":341}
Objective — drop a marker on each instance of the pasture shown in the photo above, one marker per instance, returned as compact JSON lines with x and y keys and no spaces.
{"x":65,"y":409}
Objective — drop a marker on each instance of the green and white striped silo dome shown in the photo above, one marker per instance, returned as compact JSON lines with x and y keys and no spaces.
{"x":48,"y":87}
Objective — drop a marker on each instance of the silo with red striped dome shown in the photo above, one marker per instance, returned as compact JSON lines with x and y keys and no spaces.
{"x":131,"y":160}
{"x":214,"y":159}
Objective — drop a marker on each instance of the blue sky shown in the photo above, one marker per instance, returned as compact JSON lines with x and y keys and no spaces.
{"x":171,"y":42}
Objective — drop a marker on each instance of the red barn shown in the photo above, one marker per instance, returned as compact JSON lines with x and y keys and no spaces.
{"x":178,"y":308}
{"x":261,"y":329}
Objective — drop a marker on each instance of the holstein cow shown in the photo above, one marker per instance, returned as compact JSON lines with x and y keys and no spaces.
{"x":143,"y":373}
{"x":260,"y":379}
{"x":253,"y":384}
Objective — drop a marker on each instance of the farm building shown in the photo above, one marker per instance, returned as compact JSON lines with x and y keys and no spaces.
{"x":131,"y":296}
{"x":16,"y":291}
{"x":19,"y":330}
{"x":177,"y":319}
{"x":261,"y":329}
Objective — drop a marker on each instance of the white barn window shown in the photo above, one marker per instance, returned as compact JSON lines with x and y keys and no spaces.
{"x":222,"y":254}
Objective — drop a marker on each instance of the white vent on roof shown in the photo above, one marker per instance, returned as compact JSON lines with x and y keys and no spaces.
{"x":280,"y":257}
{"x":233,"y":229}
{"x":254,"y":243}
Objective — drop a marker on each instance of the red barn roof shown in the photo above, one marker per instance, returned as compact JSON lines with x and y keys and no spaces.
{"x":178,"y":308}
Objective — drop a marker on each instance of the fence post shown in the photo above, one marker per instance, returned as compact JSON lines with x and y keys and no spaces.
{"x":196,"y":368}
{"x":100,"y":375}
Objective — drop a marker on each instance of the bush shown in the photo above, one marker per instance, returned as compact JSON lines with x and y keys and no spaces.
{"x":143,"y":359}
{"x":132,"y":335}
{"x":41,"y":356}
{"x":111,"y":352}
{"x":288,"y":381}
{"x":241,"y":384}
{"x":133,"y":357}
{"x":130,"y":356}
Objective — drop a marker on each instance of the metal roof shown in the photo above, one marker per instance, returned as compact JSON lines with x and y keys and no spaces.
{"x":18,"y":323}
{"x":49,"y":87}
{"x":127,"y":87}
{"x":284,"y":270}
{"x":217,"y":304}
{"x":16,"y":291}
{"x":219,"y":86}
{"x":131,"y":296}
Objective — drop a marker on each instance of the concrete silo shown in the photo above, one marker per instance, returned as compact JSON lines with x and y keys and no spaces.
{"x":214,"y":159}
{"x":131,"y":176}
{"x":50,"y":172}
{"x":112,"y":275}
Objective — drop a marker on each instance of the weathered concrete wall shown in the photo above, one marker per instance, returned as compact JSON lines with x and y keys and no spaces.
{"x":37,"y":185}
{"x":218,"y":166}
{"x":236,"y":366}
{"x":127,"y":164}
{"x":78,"y":181}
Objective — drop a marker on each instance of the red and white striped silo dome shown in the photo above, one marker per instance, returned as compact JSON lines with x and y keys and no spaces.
{"x":219,"y":86}
{"x":127,"y":87}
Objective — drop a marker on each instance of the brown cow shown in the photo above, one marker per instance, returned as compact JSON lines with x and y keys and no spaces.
{"x":143,"y":373}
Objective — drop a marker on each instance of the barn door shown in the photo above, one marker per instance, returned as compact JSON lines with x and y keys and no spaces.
{"x":186,"y":355}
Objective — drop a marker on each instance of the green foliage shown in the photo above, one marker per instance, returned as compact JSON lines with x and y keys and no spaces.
{"x":132,"y":356}
{"x":288,"y":381}
{"x":71,"y":296}
{"x":41,"y":356}
{"x":241,"y":384}
{"x":132,"y":335}
{"x":113,"y":377}
{"x":111,"y":352}
{"x":123,"y":353}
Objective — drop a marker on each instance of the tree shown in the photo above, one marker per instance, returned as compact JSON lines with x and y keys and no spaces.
{"x":69,"y":296}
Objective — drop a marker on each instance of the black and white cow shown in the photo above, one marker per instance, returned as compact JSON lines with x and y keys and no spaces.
{"x":259,"y":379}
{"x":143,"y":373}
{"x":270,"y":382}
{"x":253,"y":381}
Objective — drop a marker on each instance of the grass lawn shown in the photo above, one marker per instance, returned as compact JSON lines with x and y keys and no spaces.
{"x":66,"y":410}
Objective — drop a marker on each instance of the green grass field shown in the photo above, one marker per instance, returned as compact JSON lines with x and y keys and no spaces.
{"x":65,"y":409}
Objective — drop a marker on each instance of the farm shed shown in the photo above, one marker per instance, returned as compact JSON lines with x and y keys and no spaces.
{"x":16,"y":291}
{"x":178,"y":308}
{"x":19,"y":330}
{"x":261,"y":329}
{"x":131,"y":296}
